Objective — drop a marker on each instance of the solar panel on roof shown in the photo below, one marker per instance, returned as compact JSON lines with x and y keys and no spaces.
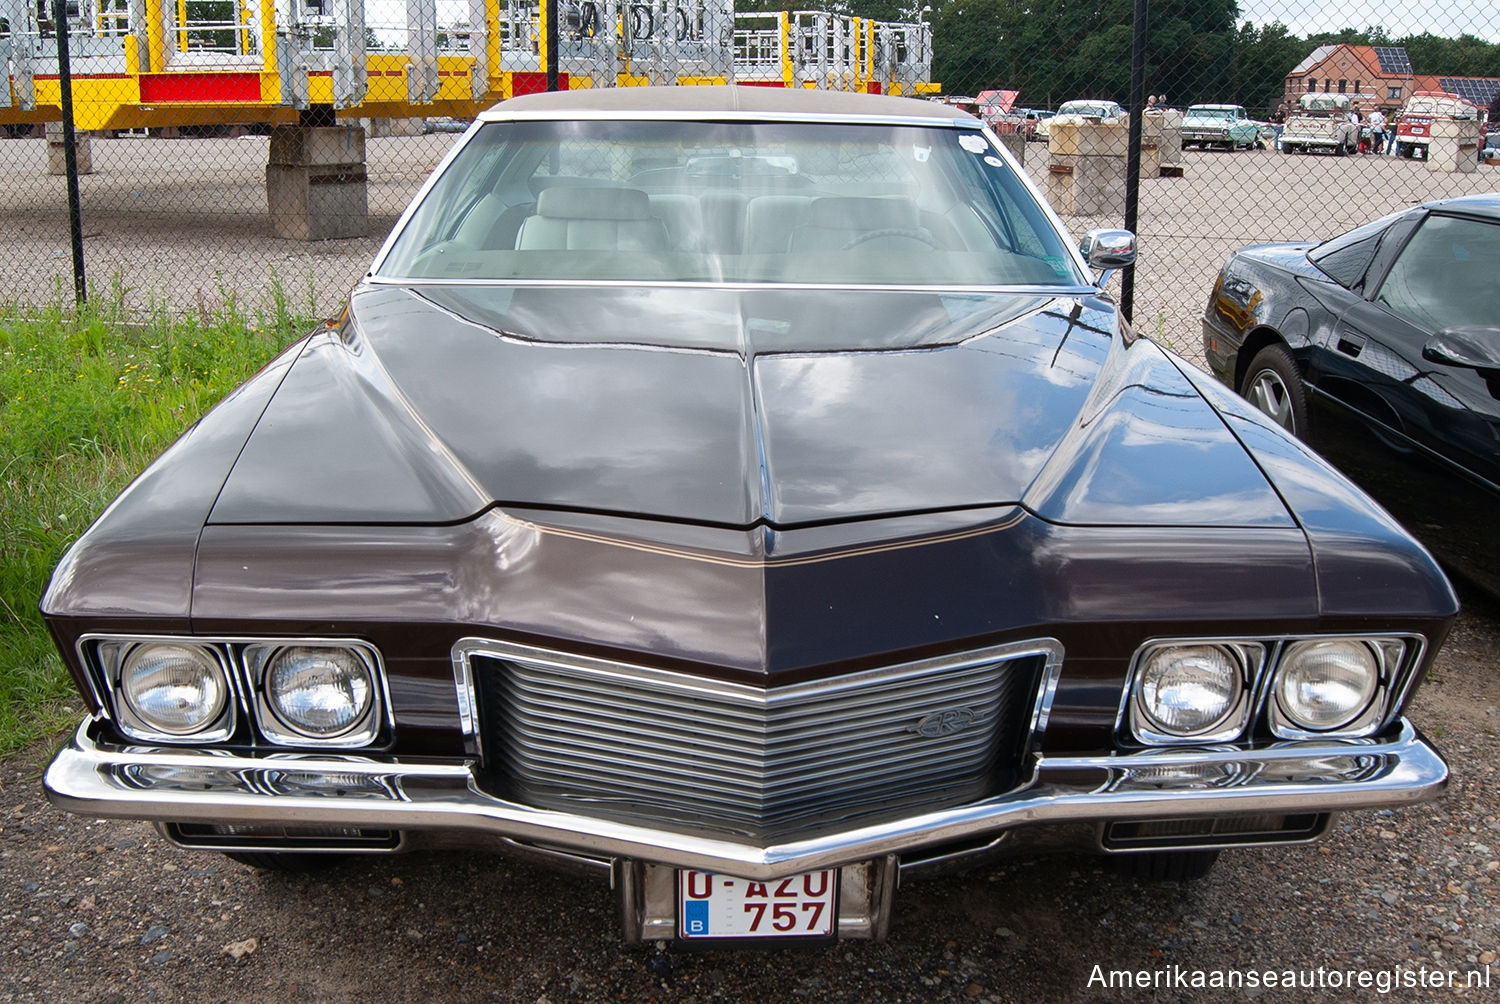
{"x":1392,"y":59}
{"x":1476,"y":89}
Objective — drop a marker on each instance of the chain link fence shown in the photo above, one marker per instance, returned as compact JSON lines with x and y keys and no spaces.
{"x":227,"y":147}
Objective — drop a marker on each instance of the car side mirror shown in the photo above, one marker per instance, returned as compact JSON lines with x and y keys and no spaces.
{"x":1108,"y":250}
{"x":1472,"y":346}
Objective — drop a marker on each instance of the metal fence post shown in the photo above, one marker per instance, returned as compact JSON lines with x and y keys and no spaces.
{"x":549,"y":28}
{"x":1133,"y":157}
{"x":70,"y":154}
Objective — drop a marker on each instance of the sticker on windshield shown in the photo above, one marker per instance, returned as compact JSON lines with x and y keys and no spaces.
{"x":973,"y":144}
{"x":921,"y":153}
{"x":993,"y":161}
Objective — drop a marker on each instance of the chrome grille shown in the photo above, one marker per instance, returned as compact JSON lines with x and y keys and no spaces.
{"x":678,"y":751}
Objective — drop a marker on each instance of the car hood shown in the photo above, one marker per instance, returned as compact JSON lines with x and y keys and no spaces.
{"x":736,"y":407}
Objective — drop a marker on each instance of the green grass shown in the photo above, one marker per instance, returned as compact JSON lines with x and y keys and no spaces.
{"x":87,"y":398}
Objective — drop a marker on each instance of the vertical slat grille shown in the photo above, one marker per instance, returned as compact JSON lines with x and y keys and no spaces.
{"x":676,"y":751}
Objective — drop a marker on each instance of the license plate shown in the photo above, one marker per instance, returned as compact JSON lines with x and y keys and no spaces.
{"x":718,"y":906}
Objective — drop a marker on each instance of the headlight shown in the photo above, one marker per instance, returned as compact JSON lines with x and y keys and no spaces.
{"x":1326,"y":685}
{"x":318,"y":693}
{"x":173,"y":690}
{"x":1190,"y":692}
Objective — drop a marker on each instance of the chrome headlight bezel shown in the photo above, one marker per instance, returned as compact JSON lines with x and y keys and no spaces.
{"x":1399,"y":657}
{"x":115,"y":656}
{"x":275,"y":727}
{"x":1389,"y":655}
{"x":245,"y":717}
{"x":1245,"y":659}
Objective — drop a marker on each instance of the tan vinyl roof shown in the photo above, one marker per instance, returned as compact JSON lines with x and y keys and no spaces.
{"x":707,"y":100}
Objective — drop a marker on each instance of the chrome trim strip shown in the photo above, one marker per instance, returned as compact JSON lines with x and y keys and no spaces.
{"x":497,"y":113}
{"x":1060,"y":292}
{"x":153,"y":783}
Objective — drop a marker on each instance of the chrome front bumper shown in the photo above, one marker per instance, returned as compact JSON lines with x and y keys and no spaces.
{"x":97,"y":778}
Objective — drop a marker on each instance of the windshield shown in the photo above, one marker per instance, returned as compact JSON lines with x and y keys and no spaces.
{"x":1324,"y":102}
{"x":1451,"y":107}
{"x":1210,"y":112}
{"x":730,"y":202}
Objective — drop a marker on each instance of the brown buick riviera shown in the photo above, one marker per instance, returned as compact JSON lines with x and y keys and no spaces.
{"x":752,"y":496}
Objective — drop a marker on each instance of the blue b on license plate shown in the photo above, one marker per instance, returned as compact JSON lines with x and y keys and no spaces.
{"x":718,"y":906}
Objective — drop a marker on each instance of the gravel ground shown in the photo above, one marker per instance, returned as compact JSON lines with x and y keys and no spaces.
{"x":94,"y":910}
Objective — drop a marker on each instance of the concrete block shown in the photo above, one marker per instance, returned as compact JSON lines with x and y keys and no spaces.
{"x":317,"y":146}
{"x":316,"y":186}
{"x":1086,"y":186}
{"x":57,"y":151}
{"x":1088,"y":139}
{"x":1169,"y":146}
{"x":1015,"y":143}
{"x":1454,"y":146}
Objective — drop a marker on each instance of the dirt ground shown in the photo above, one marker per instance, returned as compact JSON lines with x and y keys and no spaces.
{"x":92,"y":910}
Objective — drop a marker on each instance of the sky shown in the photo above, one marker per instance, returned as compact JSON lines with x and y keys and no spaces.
{"x":1480,"y":18}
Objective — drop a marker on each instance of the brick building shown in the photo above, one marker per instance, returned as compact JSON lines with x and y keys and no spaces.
{"x":1377,"y":77}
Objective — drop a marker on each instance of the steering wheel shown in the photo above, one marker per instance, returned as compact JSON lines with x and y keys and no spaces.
{"x":919,"y":235}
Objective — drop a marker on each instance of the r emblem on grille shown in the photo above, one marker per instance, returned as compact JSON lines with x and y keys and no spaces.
{"x":944,"y":723}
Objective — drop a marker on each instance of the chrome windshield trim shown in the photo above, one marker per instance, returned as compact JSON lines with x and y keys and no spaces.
{"x":1058,"y":292}
{"x":151,"y":783}
{"x":499,"y":113}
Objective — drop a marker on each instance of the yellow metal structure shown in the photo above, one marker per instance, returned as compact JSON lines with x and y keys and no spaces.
{"x":144,"y":63}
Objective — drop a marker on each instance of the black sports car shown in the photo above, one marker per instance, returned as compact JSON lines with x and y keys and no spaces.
{"x":1381,"y":348}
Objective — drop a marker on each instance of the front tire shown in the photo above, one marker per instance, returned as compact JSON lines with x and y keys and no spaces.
{"x":1166,"y":866}
{"x":1274,"y":386}
{"x":286,"y":862}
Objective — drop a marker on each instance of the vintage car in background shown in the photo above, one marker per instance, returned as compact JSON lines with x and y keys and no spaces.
{"x":1381,"y":348}
{"x":1322,"y":122}
{"x":1085,"y":110}
{"x":1489,"y":153}
{"x":1228,"y":127}
{"x":1021,"y":120}
{"x":1414,"y":124}
{"x":750,"y":496}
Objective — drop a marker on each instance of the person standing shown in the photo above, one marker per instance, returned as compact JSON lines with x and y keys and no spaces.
{"x":1278,"y":123}
{"x":1377,"y":131}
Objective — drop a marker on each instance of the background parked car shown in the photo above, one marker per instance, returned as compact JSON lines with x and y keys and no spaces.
{"x":1490,"y":152}
{"x":1381,"y":348}
{"x":1083,"y":110}
{"x":1414,"y":125}
{"x":1225,"y":126}
{"x":1321,"y":122}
